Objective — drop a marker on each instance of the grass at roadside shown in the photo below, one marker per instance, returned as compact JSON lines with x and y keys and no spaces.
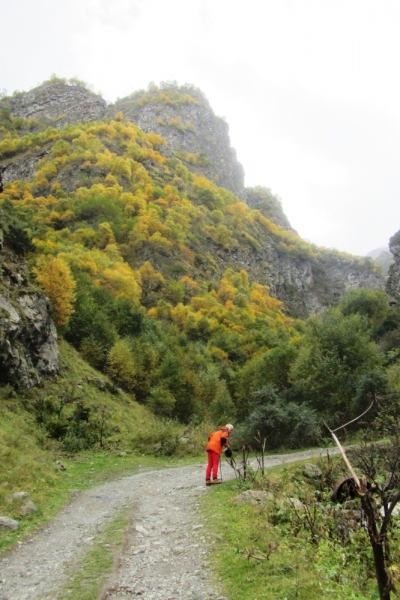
{"x":296,"y":568}
{"x":91,"y":572}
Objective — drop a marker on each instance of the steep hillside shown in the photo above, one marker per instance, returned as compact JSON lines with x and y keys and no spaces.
{"x":182,"y":116}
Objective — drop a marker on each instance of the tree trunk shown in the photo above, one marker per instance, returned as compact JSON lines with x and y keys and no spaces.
{"x":376,"y":540}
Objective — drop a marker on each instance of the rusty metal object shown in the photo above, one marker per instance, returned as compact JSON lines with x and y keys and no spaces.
{"x":344,"y":489}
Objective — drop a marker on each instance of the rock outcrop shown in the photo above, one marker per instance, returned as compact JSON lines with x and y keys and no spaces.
{"x":21,"y":169}
{"x":393,"y":282}
{"x":305,"y":286}
{"x":191,"y":128}
{"x":28,"y":337}
{"x":59,"y":103}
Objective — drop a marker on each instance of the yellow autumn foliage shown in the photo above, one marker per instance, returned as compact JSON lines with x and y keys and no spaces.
{"x":55,"y":277}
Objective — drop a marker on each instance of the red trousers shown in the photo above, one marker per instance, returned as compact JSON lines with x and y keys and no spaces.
{"x":212,"y":466}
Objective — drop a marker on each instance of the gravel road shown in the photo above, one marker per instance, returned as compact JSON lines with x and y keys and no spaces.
{"x":164,"y":555}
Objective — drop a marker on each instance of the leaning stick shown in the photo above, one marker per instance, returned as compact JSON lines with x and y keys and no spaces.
{"x":354,"y":420}
{"x":346,"y":460}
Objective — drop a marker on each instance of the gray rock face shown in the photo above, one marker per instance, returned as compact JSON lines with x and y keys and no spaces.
{"x":28,"y":341}
{"x":22,"y":169}
{"x":191,"y":127}
{"x":393,"y":282}
{"x":304,"y":286}
{"x":58,"y":101}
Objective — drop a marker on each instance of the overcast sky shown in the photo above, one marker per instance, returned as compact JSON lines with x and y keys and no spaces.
{"x":310,"y":89}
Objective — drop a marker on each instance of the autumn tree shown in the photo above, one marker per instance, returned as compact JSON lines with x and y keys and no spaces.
{"x":56,"y":278}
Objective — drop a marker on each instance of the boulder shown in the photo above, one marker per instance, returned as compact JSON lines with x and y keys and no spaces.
{"x":19,"y":496}
{"x":27,"y":508}
{"x":312,"y":471}
{"x":7,"y":524}
{"x":293,"y":502}
{"x":254,"y":497}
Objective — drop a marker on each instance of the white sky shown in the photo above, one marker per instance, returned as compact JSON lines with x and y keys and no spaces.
{"x":310,"y":89}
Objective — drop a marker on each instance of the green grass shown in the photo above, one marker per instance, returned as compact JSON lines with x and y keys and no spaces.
{"x":90,"y":573}
{"x":296,"y":569}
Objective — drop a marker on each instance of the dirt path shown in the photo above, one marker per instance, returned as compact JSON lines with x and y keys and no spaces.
{"x":165,"y":552}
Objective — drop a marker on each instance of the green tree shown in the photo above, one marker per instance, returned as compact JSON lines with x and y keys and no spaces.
{"x":161,"y":401}
{"x":372,"y":304}
{"x":18,"y":238}
{"x":222,"y":408}
{"x":120,"y":365}
{"x":335,"y":358}
{"x":269,"y":368}
{"x":281,"y":423}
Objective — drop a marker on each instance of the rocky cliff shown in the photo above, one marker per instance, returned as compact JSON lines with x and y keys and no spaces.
{"x":28,"y":337}
{"x":184,"y":117}
{"x":305,"y":285}
{"x":57,"y":103}
{"x":393,"y":282}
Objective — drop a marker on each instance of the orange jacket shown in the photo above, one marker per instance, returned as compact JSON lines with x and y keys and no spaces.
{"x":217,"y":440}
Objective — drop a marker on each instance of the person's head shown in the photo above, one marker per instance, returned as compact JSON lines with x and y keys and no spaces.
{"x":229,"y":428}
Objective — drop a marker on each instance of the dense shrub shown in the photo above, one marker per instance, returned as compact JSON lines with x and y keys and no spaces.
{"x":282,"y":424}
{"x":17,"y":237}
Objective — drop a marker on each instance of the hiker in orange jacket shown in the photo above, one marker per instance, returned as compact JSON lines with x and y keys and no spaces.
{"x":216,"y":441}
